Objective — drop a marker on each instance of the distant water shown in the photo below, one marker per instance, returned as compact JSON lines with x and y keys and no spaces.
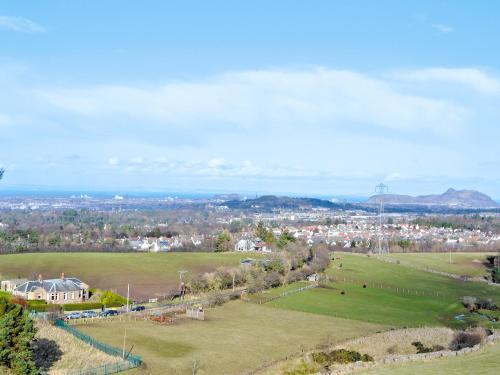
{"x":100,"y":194}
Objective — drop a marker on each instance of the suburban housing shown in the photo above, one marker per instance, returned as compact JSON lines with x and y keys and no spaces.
{"x":62,"y":290}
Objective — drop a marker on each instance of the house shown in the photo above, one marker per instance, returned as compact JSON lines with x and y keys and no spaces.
{"x":60,"y":291}
{"x":252,"y":245}
{"x":10,"y":285}
{"x":244,"y":245}
{"x":262,"y":247}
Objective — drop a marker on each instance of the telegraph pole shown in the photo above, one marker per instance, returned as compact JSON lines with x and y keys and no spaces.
{"x":128,"y":294}
{"x":380,"y":190}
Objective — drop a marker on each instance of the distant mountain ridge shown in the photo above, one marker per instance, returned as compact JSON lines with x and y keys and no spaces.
{"x":451,"y":197}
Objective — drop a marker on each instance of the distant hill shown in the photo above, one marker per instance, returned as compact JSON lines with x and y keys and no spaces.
{"x":270,"y":202}
{"x":452,"y":197}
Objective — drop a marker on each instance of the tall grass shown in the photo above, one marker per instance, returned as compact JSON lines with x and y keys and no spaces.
{"x":76,"y":355}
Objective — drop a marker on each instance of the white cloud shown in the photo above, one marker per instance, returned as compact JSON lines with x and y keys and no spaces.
{"x":443,"y":28}
{"x":137,"y":160}
{"x":471,"y":77}
{"x":113,"y":161}
{"x":267,"y":98}
{"x":19,"y":24}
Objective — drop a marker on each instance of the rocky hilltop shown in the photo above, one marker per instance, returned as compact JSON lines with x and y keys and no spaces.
{"x":451,"y":197}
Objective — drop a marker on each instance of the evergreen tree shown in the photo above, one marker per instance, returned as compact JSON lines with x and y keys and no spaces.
{"x":223,"y":242}
{"x":17,"y":332}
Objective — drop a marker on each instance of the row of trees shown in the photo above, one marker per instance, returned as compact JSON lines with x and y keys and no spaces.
{"x":295,"y":262}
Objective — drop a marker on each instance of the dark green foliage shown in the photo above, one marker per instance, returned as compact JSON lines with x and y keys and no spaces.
{"x":285,"y":239}
{"x":83,"y":306}
{"x":495,"y":275}
{"x":223,"y":242}
{"x":340,"y":356}
{"x":263,"y":233}
{"x":421,"y":348}
{"x":38,"y":307}
{"x":16,"y":335}
{"x":404,"y":243}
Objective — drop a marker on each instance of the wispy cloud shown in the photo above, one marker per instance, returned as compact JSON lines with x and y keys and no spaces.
{"x":278,"y":98}
{"x":471,"y":77}
{"x":443,"y":28}
{"x":19,"y":24}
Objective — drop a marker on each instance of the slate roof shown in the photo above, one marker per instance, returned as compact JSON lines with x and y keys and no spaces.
{"x":68,"y":284}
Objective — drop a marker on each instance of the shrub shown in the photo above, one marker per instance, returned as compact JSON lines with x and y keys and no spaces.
{"x":217,"y":299}
{"x":320,"y":358}
{"x":273,"y":279}
{"x":303,"y":368}
{"x":340,"y":356}
{"x":421,"y":348}
{"x":83,"y":306}
{"x":465,"y":340}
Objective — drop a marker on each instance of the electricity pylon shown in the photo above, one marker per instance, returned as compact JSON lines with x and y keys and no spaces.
{"x":380,"y":190}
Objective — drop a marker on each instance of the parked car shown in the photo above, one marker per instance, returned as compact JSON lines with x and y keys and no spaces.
{"x":74,"y":315}
{"x":89,"y":314}
{"x":109,"y":313}
{"x":138,"y":308}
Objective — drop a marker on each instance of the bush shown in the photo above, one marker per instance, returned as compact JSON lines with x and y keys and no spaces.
{"x":273,"y":279}
{"x":83,"y":306}
{"x":421,"y":348}
{"x":340,"y":356}
{"x":303,"y":368}
{"x":217,"y":299}
{"x":466,"y":339}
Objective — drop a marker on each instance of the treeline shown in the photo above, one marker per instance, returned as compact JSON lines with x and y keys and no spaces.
{"x":73,"y":230}
{"x":293,"y":263}
{"x":485,"y":223}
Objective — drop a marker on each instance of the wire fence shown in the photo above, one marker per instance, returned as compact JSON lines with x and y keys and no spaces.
{"x":263,"y":300}
{"x":127,"y":361}
{"x":105,"y":369}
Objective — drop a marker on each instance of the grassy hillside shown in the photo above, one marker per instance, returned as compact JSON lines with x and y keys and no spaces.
{"x":394,"y":294}
{"x":469,"y":264}
{"x":147,"y":273}
{"x":234,"y":339}
{"x":485,"y":362}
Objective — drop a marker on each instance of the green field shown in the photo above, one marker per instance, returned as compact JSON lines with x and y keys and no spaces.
{"x":242,"y":336}
{"x":468,"y":264}
{"x":234,"y":339}
{"x":485,"y":362}
{"x":148,"y":274}
{"x":395,"y":294}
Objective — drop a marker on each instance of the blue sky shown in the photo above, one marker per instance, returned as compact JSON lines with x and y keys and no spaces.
{"x":305,"y":97}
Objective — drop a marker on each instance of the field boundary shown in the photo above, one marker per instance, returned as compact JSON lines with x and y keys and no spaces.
{"x":127,"y":362}
{"x":281,"y":295}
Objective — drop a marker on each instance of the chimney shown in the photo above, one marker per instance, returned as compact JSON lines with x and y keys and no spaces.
{"x":62,"y":276}
{"x":40,"y":278}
